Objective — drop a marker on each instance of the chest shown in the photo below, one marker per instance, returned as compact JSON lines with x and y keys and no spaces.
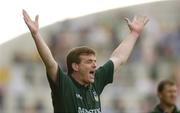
{"x":86,"y":100}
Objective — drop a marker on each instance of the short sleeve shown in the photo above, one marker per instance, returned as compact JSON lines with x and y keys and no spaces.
{"x":58,"y":85}
{"x":104,"y":76}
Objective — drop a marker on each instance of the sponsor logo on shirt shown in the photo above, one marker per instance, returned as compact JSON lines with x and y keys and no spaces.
{"x":83,"y":110}
{"x":79,"y":96}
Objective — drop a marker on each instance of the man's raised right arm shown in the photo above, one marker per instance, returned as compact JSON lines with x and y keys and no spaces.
{"x":44,"y":51}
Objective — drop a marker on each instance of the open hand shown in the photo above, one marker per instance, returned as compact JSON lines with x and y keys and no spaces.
{"x":32,"y":25}
{"x":137,"y":24}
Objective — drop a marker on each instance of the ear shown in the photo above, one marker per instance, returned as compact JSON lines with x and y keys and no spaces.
{"x":75,"y":67}
{"x":159,"y":95}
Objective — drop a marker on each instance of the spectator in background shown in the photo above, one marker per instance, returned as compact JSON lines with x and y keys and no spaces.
{"x":167,"y":93}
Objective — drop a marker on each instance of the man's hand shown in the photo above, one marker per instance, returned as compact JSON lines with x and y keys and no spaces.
{"x":32,"y":25}
{"x":137,"y":24}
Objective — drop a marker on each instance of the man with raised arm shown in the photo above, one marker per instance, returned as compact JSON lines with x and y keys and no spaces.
{"x":79,"y":91}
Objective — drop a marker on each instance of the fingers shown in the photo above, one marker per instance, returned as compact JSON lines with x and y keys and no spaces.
{"x":146,"y":20}
{"x":127,"y":20}
{"x":25,"y":20}
{"x":135,"y":18}
{"x":25,"y":14}
{"x":142,"y":19}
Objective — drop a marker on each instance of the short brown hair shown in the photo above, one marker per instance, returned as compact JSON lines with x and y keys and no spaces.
{"x":163,"y":83}
{"x":74,"y":56}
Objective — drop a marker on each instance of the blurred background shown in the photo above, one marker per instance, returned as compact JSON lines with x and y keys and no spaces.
{"x":23,"y":84}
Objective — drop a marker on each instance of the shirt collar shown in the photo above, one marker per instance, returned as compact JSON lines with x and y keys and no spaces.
{"x":158,"y":108}
{"x":79,"y":85}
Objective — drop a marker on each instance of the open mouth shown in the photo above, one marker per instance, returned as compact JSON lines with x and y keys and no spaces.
{"x":92,"y":72}
{"x":92,"y":75}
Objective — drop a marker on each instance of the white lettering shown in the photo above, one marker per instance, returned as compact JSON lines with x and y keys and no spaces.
{"x":83,"y":110}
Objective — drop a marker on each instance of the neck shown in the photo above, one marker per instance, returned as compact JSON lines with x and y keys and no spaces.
{"x":77,"y":78}
{"x":167,"y":108}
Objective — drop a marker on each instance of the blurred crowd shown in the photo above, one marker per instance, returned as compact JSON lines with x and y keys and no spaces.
{"x":24,"y":87}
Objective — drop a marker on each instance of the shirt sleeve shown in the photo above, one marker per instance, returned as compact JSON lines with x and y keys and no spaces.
{"x":58,"y":86}
{"x":104,"y":76}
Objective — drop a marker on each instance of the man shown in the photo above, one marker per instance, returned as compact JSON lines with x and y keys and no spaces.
{"x":167,"y":93}
{"x":79,"y":92}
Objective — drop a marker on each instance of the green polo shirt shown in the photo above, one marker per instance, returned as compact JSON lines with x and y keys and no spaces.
{"x":68,"y":96}
{"x":158,"y":109}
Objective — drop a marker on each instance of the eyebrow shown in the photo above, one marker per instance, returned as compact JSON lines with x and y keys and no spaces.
{"x":91,"y":60}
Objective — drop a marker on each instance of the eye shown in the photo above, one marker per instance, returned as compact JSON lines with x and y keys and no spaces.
{"x":89,"y":61}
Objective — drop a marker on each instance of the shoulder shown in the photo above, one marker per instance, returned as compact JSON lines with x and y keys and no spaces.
{"x":177,"y":110}
{"x":108,"y":65}
{"x":153,"y":112}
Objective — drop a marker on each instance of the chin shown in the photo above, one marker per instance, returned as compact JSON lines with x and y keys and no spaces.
{"x":91,"y":81}
{"x":171,"y":103}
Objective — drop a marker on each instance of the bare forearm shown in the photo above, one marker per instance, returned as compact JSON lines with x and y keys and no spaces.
{"x":43,"y":50}
{"x":123,"y":51}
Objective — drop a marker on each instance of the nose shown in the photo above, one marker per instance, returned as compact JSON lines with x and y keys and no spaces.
{"x":94,"y":65}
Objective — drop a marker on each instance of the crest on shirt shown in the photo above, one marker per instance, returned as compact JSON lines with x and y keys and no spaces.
{"x":96,"y":96}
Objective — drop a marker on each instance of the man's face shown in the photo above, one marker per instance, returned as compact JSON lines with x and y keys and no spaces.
{"x":87,"y":67}
{"x":168,"y":95}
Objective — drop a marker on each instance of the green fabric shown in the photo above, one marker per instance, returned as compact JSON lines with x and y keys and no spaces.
{"x":157,"y":109}
{"x":68,"y":96}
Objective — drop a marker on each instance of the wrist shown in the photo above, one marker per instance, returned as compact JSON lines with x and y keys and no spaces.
{"x":134,"y":34}
{"x":35,"y":34}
